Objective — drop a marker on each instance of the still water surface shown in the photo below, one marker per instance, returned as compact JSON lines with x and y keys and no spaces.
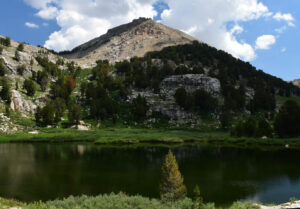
{"x":31,"y":172}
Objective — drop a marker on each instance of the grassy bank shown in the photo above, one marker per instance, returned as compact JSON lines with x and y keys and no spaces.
{"x":149,"y":136}
{"x":114,"y":201}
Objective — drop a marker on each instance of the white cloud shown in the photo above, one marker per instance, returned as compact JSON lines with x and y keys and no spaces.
{"x":48,"y":13}
{"x":211,"y":22}
{"x":264,"y":42}
{"x":283,"y":50}
{"x":285,"y":17}
{"x":31,"y":25}
{"x":82,"y":20}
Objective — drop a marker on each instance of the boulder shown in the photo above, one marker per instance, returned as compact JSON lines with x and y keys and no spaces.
{"x":34,"y":132}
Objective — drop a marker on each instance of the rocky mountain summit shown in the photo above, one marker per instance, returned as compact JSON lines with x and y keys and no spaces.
{"x":127,"y":41}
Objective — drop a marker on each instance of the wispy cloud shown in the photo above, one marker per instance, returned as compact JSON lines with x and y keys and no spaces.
{"x":285,"y":17}
{"x":31,"y":25}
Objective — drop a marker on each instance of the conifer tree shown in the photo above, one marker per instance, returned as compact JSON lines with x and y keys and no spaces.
{"x":171,"y":185}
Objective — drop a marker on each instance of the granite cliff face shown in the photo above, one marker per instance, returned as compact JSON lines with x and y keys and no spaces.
{"x":127,"y":41}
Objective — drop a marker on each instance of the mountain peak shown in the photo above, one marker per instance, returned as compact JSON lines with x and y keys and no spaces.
{"x":126,"y":41}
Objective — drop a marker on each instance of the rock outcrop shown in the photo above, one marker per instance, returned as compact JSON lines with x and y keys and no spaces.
{"x":191,"y":83}
{"x":18,"y":103}
{"x":127,"y":41}
{"x":164,"y":102}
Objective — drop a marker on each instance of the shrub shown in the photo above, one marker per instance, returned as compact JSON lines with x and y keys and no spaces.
{"x":5,"y":41}
{"x":2,"y":67}
{"x":140,"y":107}
{"x":75,"y":114}
{"x":181,"y":97}
{"x":252,"y":128}
{"x":1,"y":50}
{"x":204,"y":101}
{"x":17,"y":56}
{"x":171,"y":185}
{"x":21,"y":69}
{"x":287,"y":121}
{"x":20,"y":47}
{"x":225,"y":119}
{"x":5,"y":92}
{"x":263,"y":128}
{"x":30,"y":87}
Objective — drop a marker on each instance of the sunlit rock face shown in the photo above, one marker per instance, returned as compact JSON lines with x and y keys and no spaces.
{"x":296,"y":82}
{"x":191,"y":83}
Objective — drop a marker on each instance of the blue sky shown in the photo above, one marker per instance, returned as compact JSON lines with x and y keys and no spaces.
{"x":279,"y":58}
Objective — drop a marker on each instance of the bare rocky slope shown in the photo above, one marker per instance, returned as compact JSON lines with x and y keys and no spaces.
{"x":127,"y":41}
{"x":21,"y":105}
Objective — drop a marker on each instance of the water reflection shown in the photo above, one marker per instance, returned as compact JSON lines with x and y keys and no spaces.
{"x":47,"y":171}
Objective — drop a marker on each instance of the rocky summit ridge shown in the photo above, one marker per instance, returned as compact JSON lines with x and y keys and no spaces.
{"x":126,"y":41}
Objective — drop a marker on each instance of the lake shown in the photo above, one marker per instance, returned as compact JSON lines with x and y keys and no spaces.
{"x":31,"y":172}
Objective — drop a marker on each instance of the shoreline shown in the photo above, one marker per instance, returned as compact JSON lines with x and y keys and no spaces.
{"x":141,"y":136}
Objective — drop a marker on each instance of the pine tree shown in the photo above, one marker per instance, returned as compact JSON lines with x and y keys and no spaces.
{"x":171,"y":185}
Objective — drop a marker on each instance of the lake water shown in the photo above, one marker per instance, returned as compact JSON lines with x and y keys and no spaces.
{"x":31,"y":172}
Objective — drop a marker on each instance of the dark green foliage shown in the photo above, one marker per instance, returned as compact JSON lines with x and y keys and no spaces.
{"x":231,"y":68}
{"x":51,"y":113}
{"x":264,"y":128}
{"x":7,"y":111}
{"x":139,"y":108}
{"x":48,"y":66}
{"x":46,"y":115}
{"x":2,"y":67}
{"x":1,"y":50}
{"x":226,"y":119}
{"x":60,"y":61}
{"x":30,"y":87}
{"x":38,"y":115}
{"x":75,"y":114}
{"x":73,"y":70}
{"x":104,"y":108}
{"x":17,"y":56}
{"x":199,"y":100}
{"x":204,"y":102}
{"x":5,"y":41}
{"x":5,"y":93}
{"x":20,"y":47}
{"x":21,"y":69}
{"x":181,"y":97}
{"x":264,"y":100}
{"x":83,"y":89}
{"x":103,"y":92}
{"x":41,"y":78}
{"x":252,"y":128}
{"x":287,"y":121}
{"x":124,"y":67}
